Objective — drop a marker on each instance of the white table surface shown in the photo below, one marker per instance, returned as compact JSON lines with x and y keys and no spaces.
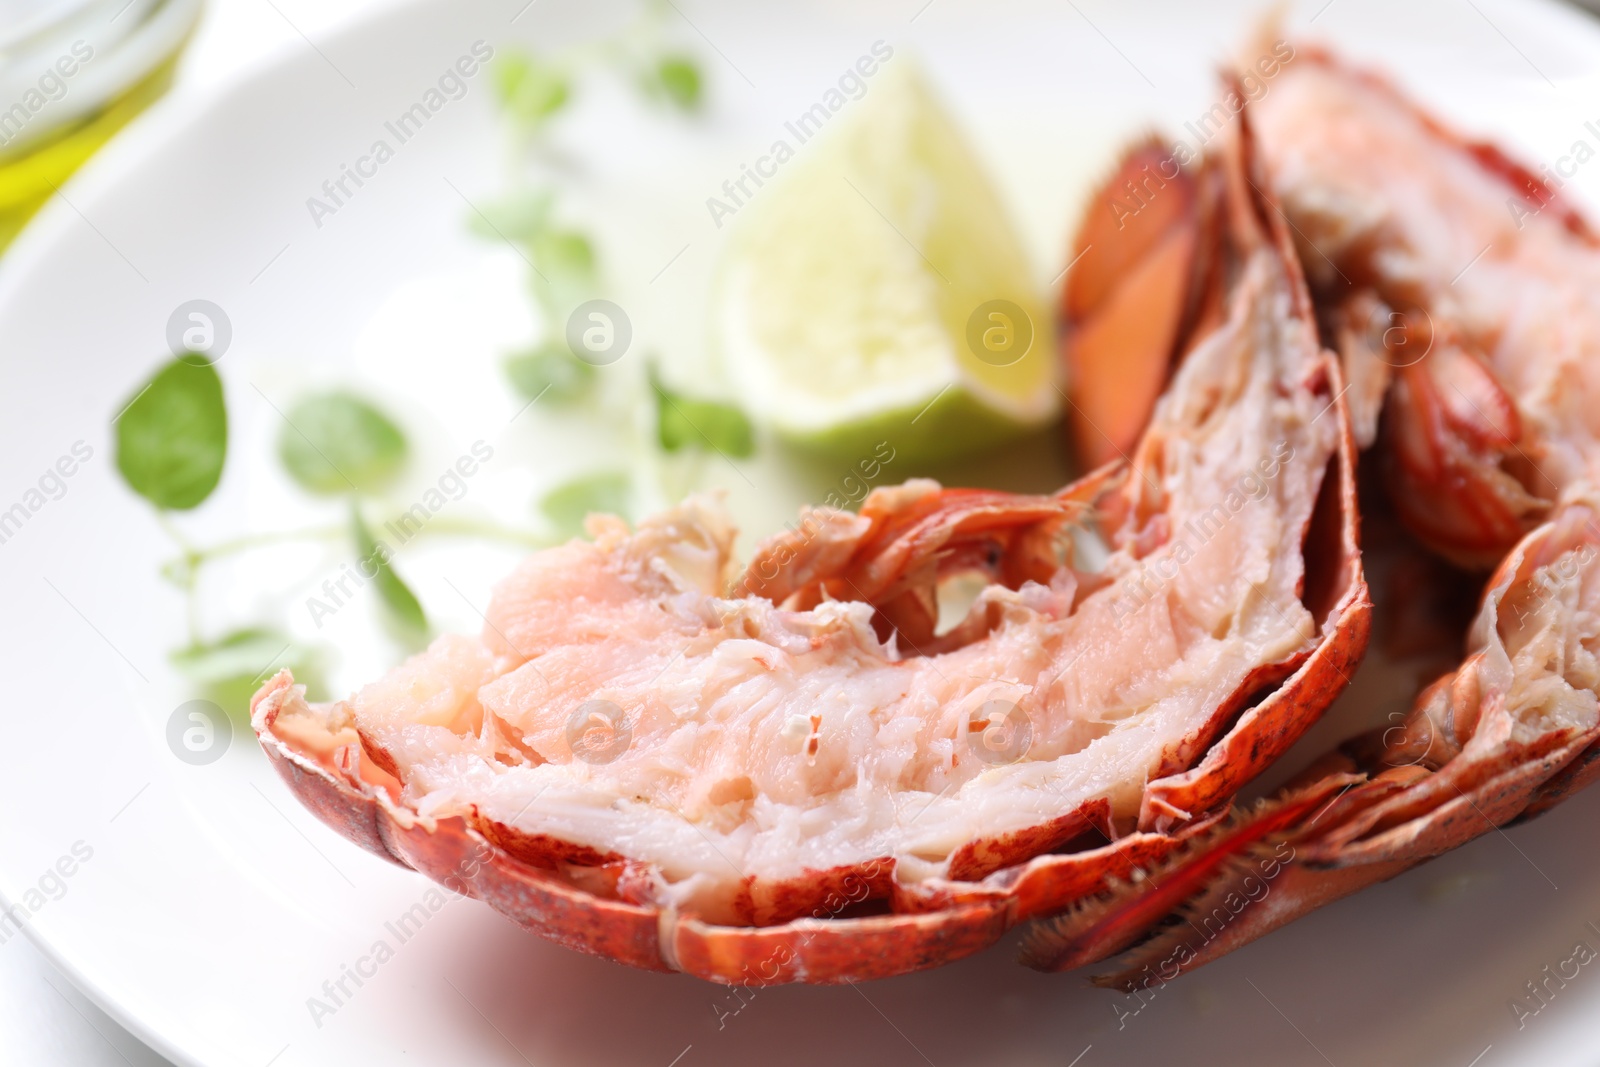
{"x":44,"y":1020}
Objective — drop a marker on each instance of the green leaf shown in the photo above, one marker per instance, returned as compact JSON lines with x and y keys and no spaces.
{"x":685,"y":423}
{"x":564,"y":257}
{"x":400,"y":603}
{"x":230,"y":669}
{"x":564,"y":260}
{"x":338,"y":443}
{"x":549,"y":367}
{"x":520,"y":217}
{"x":172,"y":437}
{"x":567,"y":505}
{"x":679,"y":78}
{"x":249,"y":652}
{"x":530,"y":89}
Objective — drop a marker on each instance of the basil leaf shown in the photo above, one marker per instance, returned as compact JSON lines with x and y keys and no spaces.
{"x":678,"y":77}
{"x":172,"y":437}
{"x":336,"y":443}
{"x":550,"y":367}
{"x":231,"y":669}
{"x":400,"y":602}
{"x":530,"y":89}
{"x":682,"y":422}
{"x":567,"y":505}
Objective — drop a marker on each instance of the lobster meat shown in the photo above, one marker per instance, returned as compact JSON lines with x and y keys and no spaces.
{"x":805,"y":769}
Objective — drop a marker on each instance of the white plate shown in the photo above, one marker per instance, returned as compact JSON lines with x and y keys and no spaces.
{"x":212,"y":907}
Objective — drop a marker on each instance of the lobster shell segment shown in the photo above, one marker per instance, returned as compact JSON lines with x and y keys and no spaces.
{"x":1131,"y":296}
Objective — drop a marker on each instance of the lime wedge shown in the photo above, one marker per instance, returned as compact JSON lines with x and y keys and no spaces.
{"x":875,"y":290}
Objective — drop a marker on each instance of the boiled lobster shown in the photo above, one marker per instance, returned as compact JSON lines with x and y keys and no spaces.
{"x":799,"y":770}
